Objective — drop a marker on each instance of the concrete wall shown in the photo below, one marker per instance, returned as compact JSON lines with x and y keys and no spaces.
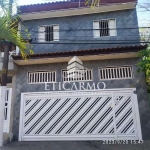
{"x":12,"y":68}
{"x":124,"y":19}
{"x":138,"y":81}
{"x":13,"y":86}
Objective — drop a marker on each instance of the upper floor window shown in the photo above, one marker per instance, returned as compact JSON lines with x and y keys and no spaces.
{"x":104,"y":28}
{"x":48,"y":33}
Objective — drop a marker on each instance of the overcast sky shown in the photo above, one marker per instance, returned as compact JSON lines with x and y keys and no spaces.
{"x":143,"y":16}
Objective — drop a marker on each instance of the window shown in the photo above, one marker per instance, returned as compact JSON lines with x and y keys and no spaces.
{"x":78,"y":75}
{"x":124,"y":72}
{"x":104,"y":28}
{"x":41,"y":77}
{"x":48,"y":33}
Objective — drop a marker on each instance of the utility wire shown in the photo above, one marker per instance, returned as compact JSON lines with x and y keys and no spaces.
{"x":34,"y":39}
{"x":92,"y":38}
{"x":88,"y":36}
{"x":56,"y":42}
{"x":71,"y":29}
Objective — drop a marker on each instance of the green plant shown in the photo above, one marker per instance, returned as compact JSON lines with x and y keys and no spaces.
{"x":144,"y":65}
{"x":9,"y":27}
{"x":92,"y":3}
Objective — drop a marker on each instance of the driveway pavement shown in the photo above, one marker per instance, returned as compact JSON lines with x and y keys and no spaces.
{"x":85,"y":145}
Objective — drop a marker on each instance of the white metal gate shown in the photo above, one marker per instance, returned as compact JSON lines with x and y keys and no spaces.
{"x":80,"y":115}
{"x":7,"y":110}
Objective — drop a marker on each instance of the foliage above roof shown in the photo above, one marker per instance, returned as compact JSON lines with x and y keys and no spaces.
{"x":9,"y":27}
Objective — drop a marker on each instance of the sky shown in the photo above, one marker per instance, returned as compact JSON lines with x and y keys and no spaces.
{"x":143,"y":15}
{"x":26,"y":2}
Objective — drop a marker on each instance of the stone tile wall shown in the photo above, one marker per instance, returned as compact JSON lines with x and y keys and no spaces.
{"x":137,"y":82}
{"x":79,"y":28}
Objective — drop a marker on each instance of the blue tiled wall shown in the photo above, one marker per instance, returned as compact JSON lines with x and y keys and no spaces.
{"x":124,"y":19}
{"x":137,"y":82}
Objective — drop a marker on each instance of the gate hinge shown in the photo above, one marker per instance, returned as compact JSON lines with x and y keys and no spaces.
{"x":135,"y":92}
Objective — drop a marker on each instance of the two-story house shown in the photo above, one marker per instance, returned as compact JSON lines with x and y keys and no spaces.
{"x":97,"y":95}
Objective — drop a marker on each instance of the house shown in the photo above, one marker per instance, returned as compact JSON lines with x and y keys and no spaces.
{"x":81,"y":82}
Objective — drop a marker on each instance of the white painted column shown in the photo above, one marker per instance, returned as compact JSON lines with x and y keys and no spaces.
{"x":2,"y":104}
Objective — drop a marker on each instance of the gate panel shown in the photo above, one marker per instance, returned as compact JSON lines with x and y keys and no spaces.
{"x":125,"y":115}
{"x":89,"y":115}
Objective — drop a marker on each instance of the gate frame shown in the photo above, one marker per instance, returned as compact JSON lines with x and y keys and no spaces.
{"x":135,"y":107}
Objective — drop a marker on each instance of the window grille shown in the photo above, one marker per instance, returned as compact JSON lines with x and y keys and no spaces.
{"x":104,"y":28}
{"x":48,"y":33}
{"x":116,"y":73}
{"x":78,"y":75}
{"x":41,"y":77}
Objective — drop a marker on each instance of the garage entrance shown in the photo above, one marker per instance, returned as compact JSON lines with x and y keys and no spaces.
{"x":80,"y":115}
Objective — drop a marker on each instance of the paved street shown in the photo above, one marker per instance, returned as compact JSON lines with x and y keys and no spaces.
{"x":86,"y":145}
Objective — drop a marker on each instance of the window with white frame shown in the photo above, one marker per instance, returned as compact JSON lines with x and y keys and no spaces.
{"x":41,"y":77}
{"x":77,"y":75}
{"x":103,"y":28}
{"x":48,"y":33}
{"x":124,"y":72}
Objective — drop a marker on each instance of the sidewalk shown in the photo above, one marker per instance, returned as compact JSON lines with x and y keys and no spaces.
{"x":84,"y":145}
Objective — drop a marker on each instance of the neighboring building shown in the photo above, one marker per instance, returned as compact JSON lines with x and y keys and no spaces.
{"x":12,"y":69}
{"x":78,"y":106}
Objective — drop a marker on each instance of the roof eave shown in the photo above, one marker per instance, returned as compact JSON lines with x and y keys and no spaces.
{"x":84,"y":55}
{"x":39,"y":61}
{"x":77,"y":11}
